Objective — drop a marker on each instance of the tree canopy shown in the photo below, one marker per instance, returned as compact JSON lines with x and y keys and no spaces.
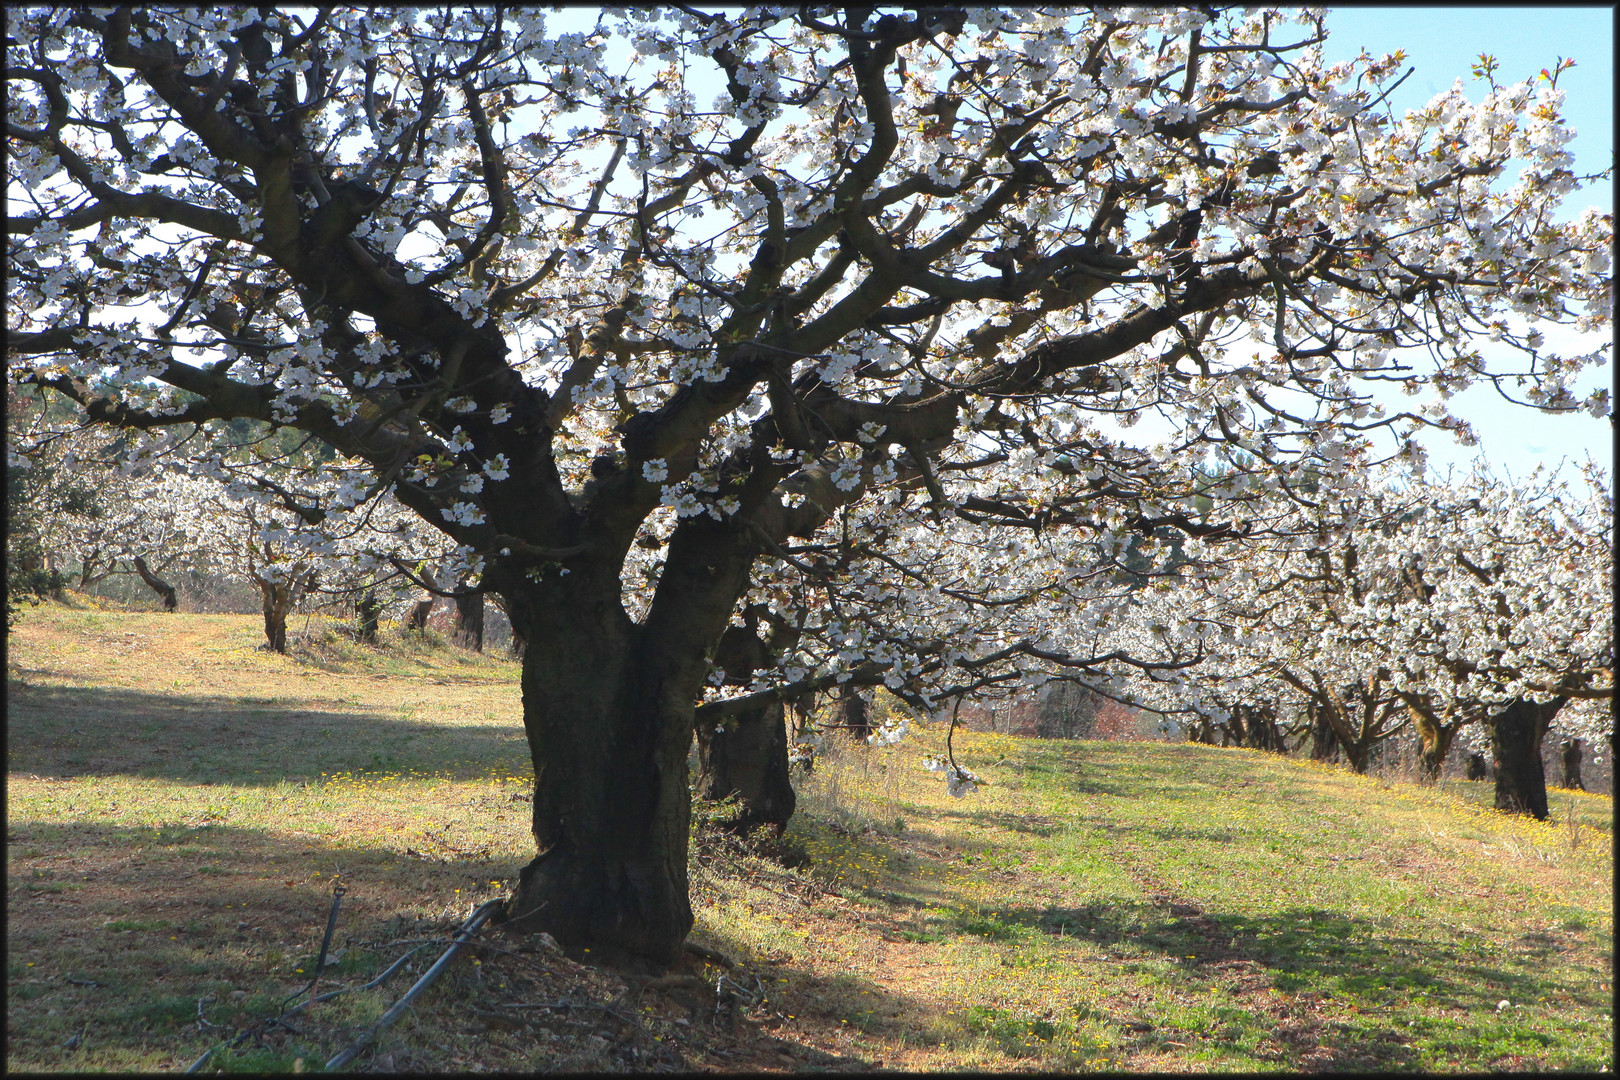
{"x":652,"y":317}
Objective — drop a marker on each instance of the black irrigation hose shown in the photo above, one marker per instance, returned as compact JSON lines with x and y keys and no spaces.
{"x":468,"y":928}
{"x":328,"y":996}
{"x":331,"y":922}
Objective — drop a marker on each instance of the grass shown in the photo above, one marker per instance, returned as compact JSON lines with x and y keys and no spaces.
{"x":181,"y":803}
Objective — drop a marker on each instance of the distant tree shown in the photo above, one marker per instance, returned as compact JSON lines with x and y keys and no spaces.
{"x":1066,"y":711}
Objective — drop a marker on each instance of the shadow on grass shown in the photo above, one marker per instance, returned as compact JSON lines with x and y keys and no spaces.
{"x":1302,"y":951}
{"x":70,"y":731}
{"x":117,"y":933}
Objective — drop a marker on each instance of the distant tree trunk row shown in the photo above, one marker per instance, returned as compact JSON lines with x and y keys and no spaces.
{"x":1351,"y":723}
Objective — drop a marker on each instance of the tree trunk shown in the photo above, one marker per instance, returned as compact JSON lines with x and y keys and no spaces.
{"x":1353,"y":738}
{"x":1516,"y":734}
{"x":852,"y":712}
{"x":278,"y":603}
{"x":1572,"y":765}
{"x":281,"y":595}
{"x":1437,"y":739}
{"x":164,"y":590}
{"x":1477,"y":768}
{"x":368,"y":611}
{"x":747,"y":756}
{"x":609,"y":729}
{"x":54,"y":583}
{"x":1262,"y":729}
{"x":609,"y":708}
{"x":418,"y":618}
{"x":470,"y":620}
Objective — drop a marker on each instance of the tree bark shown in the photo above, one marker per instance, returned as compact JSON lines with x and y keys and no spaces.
{"x":1262,"y":729}
{"x":608,"y":707}
{"x":1516,"y":735}
{"x":853,"y":713}
{"x":368,"y":611}
{"x":418,"y":618}
{"x":164,"y":590}
{"x":1437,"y":738}
{"x":1477,"y":768}
{"x":1572,"y":765}
{"x":747,"y":757}
{"x":470,"y":620}
{"x":278,"y":602}
{"x":54,"y":582}
{"x":611,"y":806}
{"x":280,"y":596}
{"x":1233,"y":731}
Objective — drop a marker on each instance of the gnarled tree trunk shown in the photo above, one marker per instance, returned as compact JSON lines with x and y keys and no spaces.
{"x":1436,"y":736}
{"x":1234,"y":731}
{"x":853,"y":712}
{"x":1516,"y":734}
{"x":164,"y":590}
{"x":281,"y":594}
{"x":611,"y":804}
{"x":1324,"y":741}
{"x":608,"y":707}
{"x":368,"y":611}
{"x":1261,"y":726}
{"x":278,"y":603}
{"x":747,"y":756}
{"x":470,"y":620}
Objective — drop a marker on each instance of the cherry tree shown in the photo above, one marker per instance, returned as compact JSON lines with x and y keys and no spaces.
{"x":1443,"y":604}
{"x":1508,"y":620}
{"x":708,"y":285}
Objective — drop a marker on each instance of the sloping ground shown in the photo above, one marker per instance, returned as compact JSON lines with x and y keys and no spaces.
{"x":180,"y":803}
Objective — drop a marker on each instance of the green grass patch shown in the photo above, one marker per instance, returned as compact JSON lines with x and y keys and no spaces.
{"x":181,"y":803}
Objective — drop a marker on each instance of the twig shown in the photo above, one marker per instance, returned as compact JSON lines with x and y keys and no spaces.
{"x":203,"y":1023}
{"x":320,"y":962}
{"x":560,"y":1005}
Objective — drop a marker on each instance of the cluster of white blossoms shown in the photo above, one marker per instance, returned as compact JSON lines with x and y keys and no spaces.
{"x":959,"y":782}
{"x":1449,"y":599}
{"x":889,"y":734}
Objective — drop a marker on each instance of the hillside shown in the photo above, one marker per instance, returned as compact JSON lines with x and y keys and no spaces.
{"x":181,"y":801}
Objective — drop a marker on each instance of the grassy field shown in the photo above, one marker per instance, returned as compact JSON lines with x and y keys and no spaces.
{"x":180,"y":803}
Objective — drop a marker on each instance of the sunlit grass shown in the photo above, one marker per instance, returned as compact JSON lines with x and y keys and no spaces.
{"x":1095,"y":906}
{"x":1169,"y":907}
